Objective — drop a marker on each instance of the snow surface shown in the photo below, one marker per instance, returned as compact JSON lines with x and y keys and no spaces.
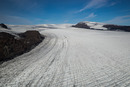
{"x":71,"y":57}
{"x":23,"y":28}
{"x":10,"y":32}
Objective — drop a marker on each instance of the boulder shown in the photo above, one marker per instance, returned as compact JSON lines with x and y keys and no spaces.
{"x":31,"y":37}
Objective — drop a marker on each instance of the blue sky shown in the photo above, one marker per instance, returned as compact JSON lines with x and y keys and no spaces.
{"x":31,"y":12}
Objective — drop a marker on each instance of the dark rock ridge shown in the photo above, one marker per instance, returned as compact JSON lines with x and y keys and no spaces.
{"x":11,"y":47}
{"x":3,"y":26}
{"x":81,"y":25}
{"x":111,"y":27}
{"x":117,"y":27}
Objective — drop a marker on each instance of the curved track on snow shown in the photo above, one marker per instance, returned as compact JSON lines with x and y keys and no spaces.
{"x":72,"y":58}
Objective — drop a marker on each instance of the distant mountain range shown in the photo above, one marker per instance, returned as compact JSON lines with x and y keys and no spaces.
{"x":101,"y":26}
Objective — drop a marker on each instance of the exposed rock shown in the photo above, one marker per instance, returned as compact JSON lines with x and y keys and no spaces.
{"x":31,"y":37}
{"x":117,"y":27}
{"x":81,"y":25}
{"x":3,"y":26}
{"x":11,"y":47}
{"x":101,"y":26}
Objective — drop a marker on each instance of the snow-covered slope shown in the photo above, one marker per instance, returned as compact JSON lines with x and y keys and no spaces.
{"x":71,"y":57}
{"x":23,"y":28}
{"x":10,"y":32}
{"x":54,"y":26}
{"x":96,"y":25}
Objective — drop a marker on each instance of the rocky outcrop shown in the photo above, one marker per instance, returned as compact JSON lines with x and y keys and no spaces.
{"x":81,"y":25}
{"x":3,"y":26}
{"x":101,"y":26}
{"x":117,"y":27}
{"x":11,"y":47}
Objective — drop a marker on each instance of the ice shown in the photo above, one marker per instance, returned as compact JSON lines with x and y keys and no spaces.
{"x":71,"y":57}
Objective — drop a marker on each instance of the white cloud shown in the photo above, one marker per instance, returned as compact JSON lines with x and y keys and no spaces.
{"x":92,"y":15}
{"x":125,"y":20}
{"x":94,"y":4}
